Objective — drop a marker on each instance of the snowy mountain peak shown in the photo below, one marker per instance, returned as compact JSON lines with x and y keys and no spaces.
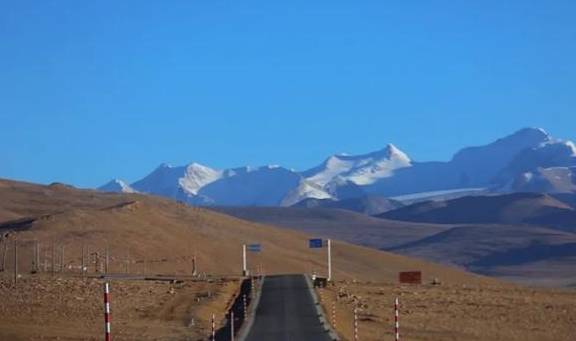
{"x":529,"y":153}
{"x":118,"y":186}
{"x":571,"y":146}
{"x":304,"y":190}
{"x":359,"y":169}
{"x":395,"y":152}
{"x":198,"y":176}
{"x":528,"y":135}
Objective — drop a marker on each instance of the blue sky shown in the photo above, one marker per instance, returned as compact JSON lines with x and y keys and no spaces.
{"x":102,"y":89}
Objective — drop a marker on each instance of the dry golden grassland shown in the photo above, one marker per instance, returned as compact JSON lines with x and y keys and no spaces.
{"x":452,"y":312}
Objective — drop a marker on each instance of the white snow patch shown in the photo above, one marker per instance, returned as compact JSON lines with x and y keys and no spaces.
{"x":432,"y":194}
{"x":305,"y":190}
{"x":198,"y":176}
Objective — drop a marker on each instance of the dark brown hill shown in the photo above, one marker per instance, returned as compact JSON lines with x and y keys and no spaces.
{"x":516,"y":208}
{"x":337,"y":223}
{"x":371,"y":205}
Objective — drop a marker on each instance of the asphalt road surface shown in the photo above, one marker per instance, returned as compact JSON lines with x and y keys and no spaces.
{"x":286,"y":312}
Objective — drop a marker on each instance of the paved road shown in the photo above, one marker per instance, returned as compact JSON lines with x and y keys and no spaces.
{"x":286,"y":312}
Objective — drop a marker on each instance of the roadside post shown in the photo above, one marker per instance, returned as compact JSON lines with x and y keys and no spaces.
{"x":107,"y":311}
{"x":15,"y":262}
{"x":396,"y":323}
{"x":213,"y":327}
{"x":355,"y":324}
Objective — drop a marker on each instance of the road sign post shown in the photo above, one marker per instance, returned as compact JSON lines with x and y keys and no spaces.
{"x":245,"y":249}
{"x":318,"y":243}
{"x":329,"y":260}
{"x":244,"y":265}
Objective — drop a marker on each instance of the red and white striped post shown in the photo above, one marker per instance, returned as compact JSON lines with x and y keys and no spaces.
{"x":245,"y":306}
{"x":213,"y":327}
{"x":334,"y":314}
{"x":396,"y":323}
{"x":107,"y":311}
{"x":355,"y":324}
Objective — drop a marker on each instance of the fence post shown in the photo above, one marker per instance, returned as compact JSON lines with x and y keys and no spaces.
{"x":245,"y":306}
{"x":35,"y":258}
{"x":396,"y":322}
{"x":53,"y":269}
{"x":213,"y":327}
{"x":62,"y":258}
{"x":355,"y":324}
{"x":194,"y":270}
{"x":15,"y":262}
{"x":334,"y":313}
{"x":106,"y":259}
{"x":107,"y":311}
{"x":128,"y":261}
{"x":82,"y":264}
{"x":38,"y":255}
{"x":45,"y":264}
{"x":4,"y":251}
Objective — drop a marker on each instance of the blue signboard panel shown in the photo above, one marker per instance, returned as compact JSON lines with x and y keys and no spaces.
{"x":315,"y":243}
{"x":254,"y":247}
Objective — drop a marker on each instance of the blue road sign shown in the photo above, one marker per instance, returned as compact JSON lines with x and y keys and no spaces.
{"x":315,"y":243}
{"x":254,"y":247}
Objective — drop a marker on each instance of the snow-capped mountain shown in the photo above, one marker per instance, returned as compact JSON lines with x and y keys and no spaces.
{"x":305,"y":190}
{"x":471,"y":167}
{"x":118,"y":186}
{"x":529,"y":159}
{"x":263,"y":186}
{"x":167,"y":180}
{"x":478,"y":165}
{"x":361,"y":169}
{"x":548,"y":167}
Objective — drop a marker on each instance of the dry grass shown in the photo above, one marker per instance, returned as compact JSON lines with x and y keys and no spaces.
{"x":453,"y":312}
{"x":65,"y":308}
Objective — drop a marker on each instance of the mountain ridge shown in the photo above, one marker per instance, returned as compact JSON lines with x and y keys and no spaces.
{"x":527,"y":160}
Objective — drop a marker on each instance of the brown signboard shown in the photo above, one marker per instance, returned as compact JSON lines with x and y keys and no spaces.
{"x":410,"y":277}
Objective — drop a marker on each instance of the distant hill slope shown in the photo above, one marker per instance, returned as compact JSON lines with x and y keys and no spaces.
{"x":516,"y":208}
{"x":165,"y":234}
{"x":337,"y":223}
{"x":567,"y":198}
{"x":501,"y":250}
{"x":370,"y":205}
{"x":529,"y":254}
